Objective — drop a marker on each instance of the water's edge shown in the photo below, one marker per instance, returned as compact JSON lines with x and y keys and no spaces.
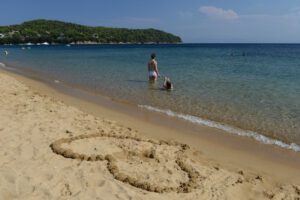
{"x":197,"y":120}
{"x":227,"y":128}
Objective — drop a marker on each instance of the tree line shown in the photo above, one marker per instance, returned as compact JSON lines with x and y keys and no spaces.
{"x":58,"y":32}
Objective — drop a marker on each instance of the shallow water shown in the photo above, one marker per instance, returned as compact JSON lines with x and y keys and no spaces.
{"x":253,"y":87}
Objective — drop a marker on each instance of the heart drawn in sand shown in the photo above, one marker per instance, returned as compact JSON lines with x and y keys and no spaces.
{"x":148,"y":156}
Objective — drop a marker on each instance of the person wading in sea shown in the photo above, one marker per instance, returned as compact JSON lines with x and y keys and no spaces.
{"x":152,"y":68}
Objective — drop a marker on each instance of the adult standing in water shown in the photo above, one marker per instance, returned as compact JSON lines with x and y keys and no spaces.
{"x":152,"y":68}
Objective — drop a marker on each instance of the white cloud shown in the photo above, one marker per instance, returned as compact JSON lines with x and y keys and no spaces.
{"x":218,"y":13}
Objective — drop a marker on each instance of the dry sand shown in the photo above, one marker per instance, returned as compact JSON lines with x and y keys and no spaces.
{"x":51,"y":150}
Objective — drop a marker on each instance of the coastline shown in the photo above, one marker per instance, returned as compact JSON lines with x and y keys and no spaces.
{"x":274,"y":115}
{"x":92,"y":96}
{"x":215,"y":147}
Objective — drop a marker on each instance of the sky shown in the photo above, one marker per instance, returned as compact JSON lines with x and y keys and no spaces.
{"x":200,"y":21}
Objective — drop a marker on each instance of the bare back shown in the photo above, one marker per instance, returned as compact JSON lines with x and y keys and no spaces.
{"x":152,"y":65}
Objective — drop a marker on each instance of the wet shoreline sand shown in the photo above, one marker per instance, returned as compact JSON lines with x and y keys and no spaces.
{"x":248,"y":165}
{"x":213,"y":83}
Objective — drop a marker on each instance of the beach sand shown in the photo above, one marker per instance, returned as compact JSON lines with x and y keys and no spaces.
{"x":52,"y":149}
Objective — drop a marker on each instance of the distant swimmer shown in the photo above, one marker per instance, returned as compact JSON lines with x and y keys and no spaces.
{"x":152,"y":68}
{"x":5,"y":52}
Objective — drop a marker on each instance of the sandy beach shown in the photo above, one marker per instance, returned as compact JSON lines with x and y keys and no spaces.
{"x":55,"y":146}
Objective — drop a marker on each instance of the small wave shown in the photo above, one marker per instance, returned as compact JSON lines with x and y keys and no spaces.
{"x":227,"y":128}
{"x":2,"y":65}
{"x":56,"y":81}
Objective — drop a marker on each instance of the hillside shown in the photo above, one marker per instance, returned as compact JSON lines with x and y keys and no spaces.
{"x":39,"y":31}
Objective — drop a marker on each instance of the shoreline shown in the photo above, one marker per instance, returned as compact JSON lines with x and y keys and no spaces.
{"x":59,"y":143}
{"x":226,"y":128}
{"x":89,"y":44}
{"x":91,"y":96}
{"x":236,"y":150}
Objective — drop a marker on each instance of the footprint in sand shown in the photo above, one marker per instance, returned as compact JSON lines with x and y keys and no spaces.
{"x":128,"y":158}
{"x":66,"y":191}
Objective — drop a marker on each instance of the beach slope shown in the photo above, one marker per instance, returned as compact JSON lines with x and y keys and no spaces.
{"x":51,"y":150}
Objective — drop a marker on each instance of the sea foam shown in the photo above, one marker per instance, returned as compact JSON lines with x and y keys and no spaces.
{"x":227,"y":128}
{"x":2,"y":65}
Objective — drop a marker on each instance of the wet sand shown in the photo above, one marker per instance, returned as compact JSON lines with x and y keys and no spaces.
{"x":59,"y":143}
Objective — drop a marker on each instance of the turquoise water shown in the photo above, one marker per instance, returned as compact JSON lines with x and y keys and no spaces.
{"x":250,"y":87}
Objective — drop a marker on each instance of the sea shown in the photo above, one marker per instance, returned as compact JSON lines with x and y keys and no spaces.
{"x":251,"y":90}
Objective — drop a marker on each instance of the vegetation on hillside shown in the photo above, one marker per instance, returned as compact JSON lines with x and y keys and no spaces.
{"x":39,"y":31}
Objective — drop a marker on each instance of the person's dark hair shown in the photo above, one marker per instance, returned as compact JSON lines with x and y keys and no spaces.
{"x":168,"y":85}
{"x":153,"y":55}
